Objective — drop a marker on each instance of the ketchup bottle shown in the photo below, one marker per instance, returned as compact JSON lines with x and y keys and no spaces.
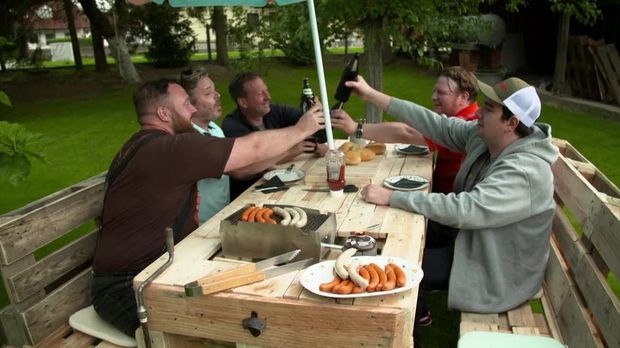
{"x":334,"y":162}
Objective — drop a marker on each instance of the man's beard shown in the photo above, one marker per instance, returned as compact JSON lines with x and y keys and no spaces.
{"x":181,"y":125}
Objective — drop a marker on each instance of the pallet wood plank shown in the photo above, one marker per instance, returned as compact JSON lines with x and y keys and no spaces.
{"x":572,"y":316}
{"x":288,"y":323}
{"x":521,"y":316}
{"x":78,"y":339}
{"x":566,"y":237}
{"x":550,"y":318}
{"x":46,"y":271}
{"x":608,"y":57}
{"x":43,"y":319}
{"x":541,"y":324}
{"x":23,"y":235}
{"x":468,"y":326}
{"x":596,"y":219}
{"x":529,"y":331}
{"x":557,"y":281}
{"x":601,"y":300}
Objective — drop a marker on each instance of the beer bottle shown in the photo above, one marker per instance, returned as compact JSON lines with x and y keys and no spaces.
{"x":307,"y":97}
{"x":307,"y":101}
{"x":350,"y":73}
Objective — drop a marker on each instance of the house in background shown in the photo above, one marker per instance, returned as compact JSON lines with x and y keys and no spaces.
{"x":49,"y":22}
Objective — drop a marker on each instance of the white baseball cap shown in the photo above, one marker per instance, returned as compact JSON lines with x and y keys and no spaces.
{"x":519,"y":97}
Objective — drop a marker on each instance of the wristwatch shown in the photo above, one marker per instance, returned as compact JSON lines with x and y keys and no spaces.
{"x":359,"y":131}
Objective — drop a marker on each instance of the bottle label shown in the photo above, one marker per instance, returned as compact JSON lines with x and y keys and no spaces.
{"x":333,"y":169}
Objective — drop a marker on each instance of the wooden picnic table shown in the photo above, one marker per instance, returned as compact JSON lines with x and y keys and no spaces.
{"x":293,"y":315}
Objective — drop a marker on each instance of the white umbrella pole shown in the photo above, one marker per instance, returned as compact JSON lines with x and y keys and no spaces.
{"x":319,"y":66}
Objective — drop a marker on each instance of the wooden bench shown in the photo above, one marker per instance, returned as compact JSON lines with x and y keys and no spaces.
{"x":578,"y":306}
{"x":44,"y":290}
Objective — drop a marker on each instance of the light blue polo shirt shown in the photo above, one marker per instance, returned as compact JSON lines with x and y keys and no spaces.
{"x":214,"y":193}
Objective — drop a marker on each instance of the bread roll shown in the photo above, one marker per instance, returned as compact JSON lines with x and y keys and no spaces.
{"x":367,"y":154}
{"x":377,"y":148}
{"x":346,"y":146}
{"x":353,"y":157}
{"x":356,"y":147}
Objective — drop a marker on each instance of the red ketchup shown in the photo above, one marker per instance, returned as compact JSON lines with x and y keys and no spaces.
{"x":334,"y":162}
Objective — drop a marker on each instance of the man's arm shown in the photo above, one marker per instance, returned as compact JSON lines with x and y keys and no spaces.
{"x":365,"y":92}
{"x":388,"y":132}
{"x":270,"y":144}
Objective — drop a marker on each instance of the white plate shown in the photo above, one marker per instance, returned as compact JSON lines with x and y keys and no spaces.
{"x":391,"y":182}
{"x":323,"y":272}
{"x":285,"y":175}
{"x":408,"y":149}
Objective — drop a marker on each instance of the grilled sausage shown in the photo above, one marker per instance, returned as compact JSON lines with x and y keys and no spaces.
{"x":327,"y":287}
{"x":253,"y":213}
{"x":246,"y":213}
{"x":267,"y":216}
{"x":355,"y":277}
{"x":382,"y":276}
{"x":374,"y":278}
{"x":259,"y":215}
{"x":357,"y":290}
{"x":286,"y":217}
{"x":401,"y":277}
{"x":339,"y":285}
{"x":342,"y":261}
{"x":364,"y":273}
{"x":346,"y":288}
{"x":294,"y":216}
{"x":391,"y":279}
{"x":303,"y":218}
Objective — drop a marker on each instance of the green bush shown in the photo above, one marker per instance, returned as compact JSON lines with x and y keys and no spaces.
{"x":290,"y":32}
{"x":169,"y":33}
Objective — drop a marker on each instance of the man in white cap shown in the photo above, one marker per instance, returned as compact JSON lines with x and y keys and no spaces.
{"x":502,"y":202}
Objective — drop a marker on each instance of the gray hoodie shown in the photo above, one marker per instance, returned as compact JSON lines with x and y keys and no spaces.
{"x":501,"y":250}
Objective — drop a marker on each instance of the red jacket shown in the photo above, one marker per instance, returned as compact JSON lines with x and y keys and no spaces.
{"x":449,"y":162}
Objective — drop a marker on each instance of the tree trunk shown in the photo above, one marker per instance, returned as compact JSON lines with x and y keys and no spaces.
{"x":559,"y":76}
{"x":221,"y":46}
{"x":118,"y":47}
{"x":373,"y":43}
{"x":75,"y":44}
{"x":101,"y":63}
{"x":208,"y":28}
{"x":123,"y":60}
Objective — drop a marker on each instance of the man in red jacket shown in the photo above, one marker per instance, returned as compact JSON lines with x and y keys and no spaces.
{"x":454,"y":95}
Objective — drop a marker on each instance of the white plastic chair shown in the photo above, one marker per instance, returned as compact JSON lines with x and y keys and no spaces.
{"x":483,"y":339}
{"x":88,"y":321}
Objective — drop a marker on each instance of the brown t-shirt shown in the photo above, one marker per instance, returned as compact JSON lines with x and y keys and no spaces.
{"x":150,"y":193}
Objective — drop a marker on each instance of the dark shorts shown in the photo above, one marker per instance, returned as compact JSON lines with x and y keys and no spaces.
{"x":114,"y":300}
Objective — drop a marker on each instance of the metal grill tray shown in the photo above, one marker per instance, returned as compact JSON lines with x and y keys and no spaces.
{"x":255,"y":240}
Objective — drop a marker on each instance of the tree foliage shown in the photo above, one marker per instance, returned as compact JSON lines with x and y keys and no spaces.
{"x":169,"y":33}
{"x":289,"y":30}
{"x":584,"y":11}
{"x":18,"y":148}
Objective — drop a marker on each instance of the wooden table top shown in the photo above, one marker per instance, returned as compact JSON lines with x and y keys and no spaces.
{"x":402,"y":234}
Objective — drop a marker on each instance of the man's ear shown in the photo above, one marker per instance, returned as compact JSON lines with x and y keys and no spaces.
{"x":512,"y":124}
{"x":465,"y":96}
{"x":242,"y":102}
{"x":163,"y":113}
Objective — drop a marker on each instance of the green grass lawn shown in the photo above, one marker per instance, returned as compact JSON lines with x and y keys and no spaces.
{"x":83,"y":131}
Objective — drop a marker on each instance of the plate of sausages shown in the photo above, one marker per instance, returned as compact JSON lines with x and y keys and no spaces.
{"x":365,"y":276}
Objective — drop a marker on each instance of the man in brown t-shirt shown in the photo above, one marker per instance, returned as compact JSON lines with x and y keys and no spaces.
{"x":151,"y":185}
